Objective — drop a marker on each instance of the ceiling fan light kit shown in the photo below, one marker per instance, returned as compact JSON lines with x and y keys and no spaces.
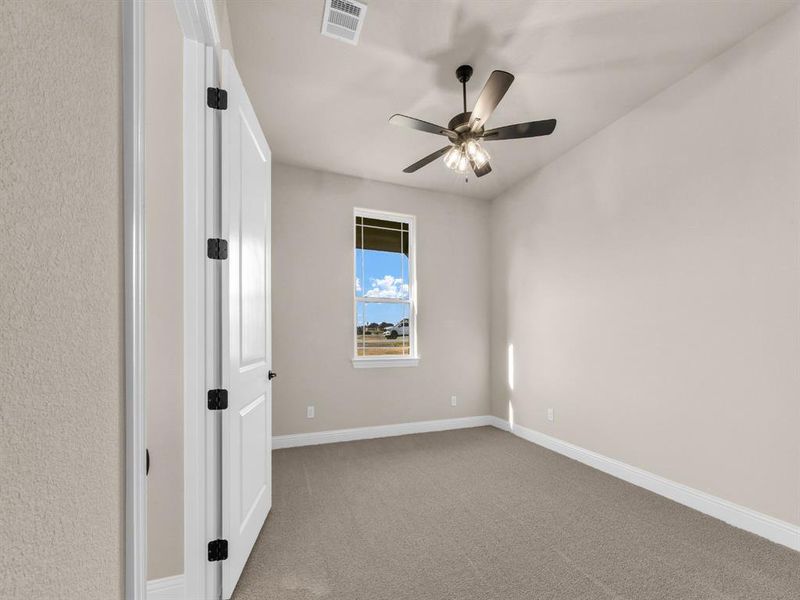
{"x":461,"y":156}
{"x":466,"y":130}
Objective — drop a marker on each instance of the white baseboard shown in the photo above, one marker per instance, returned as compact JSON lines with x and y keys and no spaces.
{"x":379,"y":431}
{"x":499,"y":423}
{"x":167,"y":588}
{"x":760,"y":524}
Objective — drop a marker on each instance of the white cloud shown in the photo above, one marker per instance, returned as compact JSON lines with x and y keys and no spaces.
{"x":387,"y":287}
{"x":358,"y":284}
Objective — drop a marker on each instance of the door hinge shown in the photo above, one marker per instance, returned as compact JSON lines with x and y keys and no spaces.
{"x":217,"y":249}
{"x":217,"y":399}
{"x":217,"y":550}
{"x":217,"y":98}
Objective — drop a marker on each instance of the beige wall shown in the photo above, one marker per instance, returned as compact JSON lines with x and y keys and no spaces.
{"x":649,"y":283}
{"x":164,"y":287}
{"x":61,"y":301}
{"x":312,"y":271}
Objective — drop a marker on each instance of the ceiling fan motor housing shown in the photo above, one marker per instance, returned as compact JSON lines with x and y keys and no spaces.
{"x":460,"y":124}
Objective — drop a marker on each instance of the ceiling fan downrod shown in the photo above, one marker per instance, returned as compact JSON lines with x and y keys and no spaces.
{"x":463,"y":73}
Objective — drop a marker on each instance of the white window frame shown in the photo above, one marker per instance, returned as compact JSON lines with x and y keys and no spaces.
{"x":412,"y":360}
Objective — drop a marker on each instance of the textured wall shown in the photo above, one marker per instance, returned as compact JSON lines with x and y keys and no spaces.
{"x":61,"y":301}
{"x":312,"y":306}
{"x":648,"y":281}
{"x":163,"y":171}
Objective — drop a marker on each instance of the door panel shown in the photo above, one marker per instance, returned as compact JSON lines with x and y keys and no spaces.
{"x":252,"y":249}
{"x":252,"y":457}
{"x":246,"y":340}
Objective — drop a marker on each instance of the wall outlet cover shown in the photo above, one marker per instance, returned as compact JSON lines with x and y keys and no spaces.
{"x":310,"y":412}
{"x":550,"y":415}
{"x":453,"y":401}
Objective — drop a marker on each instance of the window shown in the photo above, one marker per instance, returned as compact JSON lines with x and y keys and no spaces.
{"x":384,"y":290}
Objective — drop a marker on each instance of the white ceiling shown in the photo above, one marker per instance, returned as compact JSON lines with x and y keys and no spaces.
{"x":325,"y":104}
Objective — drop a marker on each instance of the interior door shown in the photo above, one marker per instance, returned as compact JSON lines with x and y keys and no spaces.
{"x":246,"y":328}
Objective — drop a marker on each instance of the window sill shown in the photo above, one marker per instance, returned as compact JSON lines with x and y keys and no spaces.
{"x":379,"y":362}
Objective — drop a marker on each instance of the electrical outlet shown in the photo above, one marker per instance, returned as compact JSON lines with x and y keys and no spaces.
{"x":550,"y":415}
{"x":453,"y":401}
{"x":310,"y":412}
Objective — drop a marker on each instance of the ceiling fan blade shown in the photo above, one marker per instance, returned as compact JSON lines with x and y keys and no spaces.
{"x":481,"y":171}
{"x":428,"y":159}
{"x":496,"y":87}
{"x":413,"y":123}
{"x":521,"y":130}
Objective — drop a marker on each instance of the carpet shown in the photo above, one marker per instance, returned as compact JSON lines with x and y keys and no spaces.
{"x":479,"y":514}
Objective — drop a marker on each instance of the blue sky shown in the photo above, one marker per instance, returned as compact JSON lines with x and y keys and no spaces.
{"x":384,"y":275}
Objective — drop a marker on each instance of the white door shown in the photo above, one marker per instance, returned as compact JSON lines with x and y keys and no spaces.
{"x":246,"y":327}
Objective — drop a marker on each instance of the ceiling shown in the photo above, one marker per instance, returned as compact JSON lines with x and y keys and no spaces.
{"x":325,"y":104}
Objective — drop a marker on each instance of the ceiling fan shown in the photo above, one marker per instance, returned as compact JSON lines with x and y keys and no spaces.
{"x":466,"y":130}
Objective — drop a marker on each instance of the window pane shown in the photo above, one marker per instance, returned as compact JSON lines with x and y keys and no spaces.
{"x":360,"y":329}
{"x":382,"y":329}
{"x":381,"y":259}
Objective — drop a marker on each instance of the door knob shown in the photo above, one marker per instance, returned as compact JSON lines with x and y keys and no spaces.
{"x":272,"y":375}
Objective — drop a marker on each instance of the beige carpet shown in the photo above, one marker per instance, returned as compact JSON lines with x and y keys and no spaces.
{"x":480,"y":514}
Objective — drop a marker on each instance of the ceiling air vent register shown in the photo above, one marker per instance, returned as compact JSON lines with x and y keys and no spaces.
{"x":343,"y":20}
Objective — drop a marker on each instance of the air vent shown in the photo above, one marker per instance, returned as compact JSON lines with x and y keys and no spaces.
{"x":343,"y":20}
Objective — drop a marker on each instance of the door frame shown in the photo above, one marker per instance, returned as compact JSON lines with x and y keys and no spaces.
{"x":133,"y":202}
{"x":201,"y":510}
{"x":198,"y":22}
